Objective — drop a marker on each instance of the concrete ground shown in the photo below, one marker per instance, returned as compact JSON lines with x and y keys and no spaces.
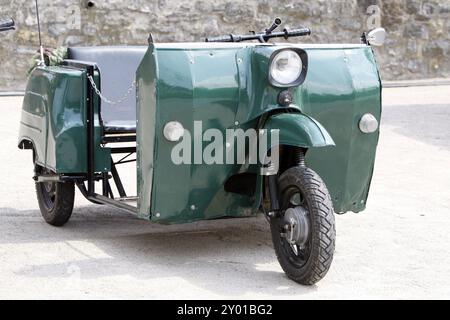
{"x":398,"y":248}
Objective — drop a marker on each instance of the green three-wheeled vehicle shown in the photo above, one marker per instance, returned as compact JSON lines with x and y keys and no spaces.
{"x":195,"y":114}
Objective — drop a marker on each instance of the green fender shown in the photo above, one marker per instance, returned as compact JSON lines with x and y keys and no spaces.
{"x":297,"y":129}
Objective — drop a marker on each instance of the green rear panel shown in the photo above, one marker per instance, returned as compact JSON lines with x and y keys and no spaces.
{"x":227,"y":87}
{"x":54,"y":120}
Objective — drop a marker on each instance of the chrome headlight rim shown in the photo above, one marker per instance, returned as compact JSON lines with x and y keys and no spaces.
{"x":304,"y":68}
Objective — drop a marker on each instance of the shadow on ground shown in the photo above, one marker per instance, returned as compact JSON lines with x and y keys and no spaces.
{"x":201,"y":253}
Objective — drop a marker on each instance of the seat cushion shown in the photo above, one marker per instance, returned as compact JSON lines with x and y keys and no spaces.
{"x":117,"y":66}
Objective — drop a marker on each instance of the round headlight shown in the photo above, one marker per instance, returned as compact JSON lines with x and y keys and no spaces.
{"x":286,"y":67}
{"x":173,"y":131}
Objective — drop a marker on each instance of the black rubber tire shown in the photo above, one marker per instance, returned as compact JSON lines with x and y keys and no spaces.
{"x":321,"y":242}
{"x":61,"y":209}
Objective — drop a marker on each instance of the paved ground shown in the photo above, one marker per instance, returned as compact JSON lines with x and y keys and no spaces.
{"x":398,"y":248}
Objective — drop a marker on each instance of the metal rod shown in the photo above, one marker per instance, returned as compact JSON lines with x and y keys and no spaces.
{"x":135,"y":198}
{"x":111,"y":194}
{"x":114,"y":203}
{"x":90,"y":134}
{"x":41,"y":48}
{"x":57,"y":178}
{"x":117,"y":180}
{"x":125,"y":157}
{"x":262,"y":37}
{"x":105,"y":184}
{"x":126,"y":161}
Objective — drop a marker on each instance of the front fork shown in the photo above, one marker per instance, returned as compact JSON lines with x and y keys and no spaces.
{"x":274,"y":196}
{"x":297,"y":159}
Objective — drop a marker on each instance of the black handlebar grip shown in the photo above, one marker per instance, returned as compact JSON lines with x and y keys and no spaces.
{"x":7,"y":24}
{"x":227,"y":38}
{"x":298,"y":32}
{"x":274,"y":25}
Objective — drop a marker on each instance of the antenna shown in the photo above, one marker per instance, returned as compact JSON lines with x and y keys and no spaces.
{"x":41,"y":48}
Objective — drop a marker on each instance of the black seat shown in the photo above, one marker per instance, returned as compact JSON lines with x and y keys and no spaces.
{"x":117,"y":67}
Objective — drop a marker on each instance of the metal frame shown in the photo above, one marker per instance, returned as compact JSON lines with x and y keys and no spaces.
{"x":91,"y":176}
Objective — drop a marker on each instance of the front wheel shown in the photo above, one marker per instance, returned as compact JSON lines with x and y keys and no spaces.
{"x":55,"y":200}
{"x":303,"y":233}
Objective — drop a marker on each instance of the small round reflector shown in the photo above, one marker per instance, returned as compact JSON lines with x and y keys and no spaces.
{"x":368,"y":123}
{"x":173,"y":131}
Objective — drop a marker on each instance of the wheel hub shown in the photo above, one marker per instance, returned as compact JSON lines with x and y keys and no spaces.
{"x":297,"y":226}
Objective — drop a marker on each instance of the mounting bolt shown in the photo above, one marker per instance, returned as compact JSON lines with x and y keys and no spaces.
{"x":157,"y":215}
{"x":285,"y":98}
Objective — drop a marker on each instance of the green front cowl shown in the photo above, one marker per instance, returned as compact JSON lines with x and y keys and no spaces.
{"x":226,"y":87}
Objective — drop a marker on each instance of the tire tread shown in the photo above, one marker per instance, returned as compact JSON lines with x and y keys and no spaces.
{"x":324,"y":232}
{"x":62,"y":211}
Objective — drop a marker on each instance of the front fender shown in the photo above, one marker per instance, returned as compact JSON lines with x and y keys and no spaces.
{"x":300,"y":130}
{"x":295,"y":129}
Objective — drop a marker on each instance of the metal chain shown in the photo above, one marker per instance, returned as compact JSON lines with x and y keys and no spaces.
{"x":104,"y":99}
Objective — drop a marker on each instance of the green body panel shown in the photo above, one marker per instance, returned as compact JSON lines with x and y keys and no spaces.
{"x":189,"y":85}
{"x":227,"y":87}
{"x":54,"y":120}
{"x":340,"y":87}
{"x":300,"y":130}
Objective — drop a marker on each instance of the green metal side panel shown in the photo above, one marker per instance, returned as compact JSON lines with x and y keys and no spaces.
{"x":33,"y":123}
{"x":191,"y":85}
{"x":341,"y":86}
{"x":54,"y":119}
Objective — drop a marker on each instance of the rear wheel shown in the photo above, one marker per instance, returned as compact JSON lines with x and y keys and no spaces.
{"x":304,"y":233}
{"x":55,"y":199}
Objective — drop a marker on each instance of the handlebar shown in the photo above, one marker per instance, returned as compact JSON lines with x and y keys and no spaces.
{"x":228,"y":38}
{"x":300,"y":32}
{"x":262,"y":37}
{"x":6,"y":24}
{"x":274,"y":25}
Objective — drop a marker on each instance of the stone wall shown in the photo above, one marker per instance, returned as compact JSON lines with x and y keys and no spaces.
{"x":417,"y":46}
